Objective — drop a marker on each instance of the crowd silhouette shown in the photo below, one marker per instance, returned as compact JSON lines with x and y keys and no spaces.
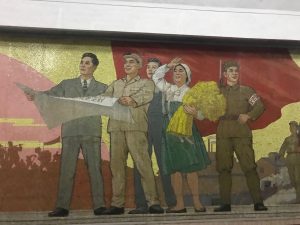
{"x":41,"y":160}
{"x":29,"y":179}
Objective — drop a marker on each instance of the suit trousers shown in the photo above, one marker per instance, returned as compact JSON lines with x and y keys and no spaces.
{"x":91,"y":152}
{"x":155,"y":126}
{"x":134,"y":142}
{"x":242,"y":146}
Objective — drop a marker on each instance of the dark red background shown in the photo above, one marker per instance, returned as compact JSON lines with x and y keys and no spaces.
{"x":270,"y":71}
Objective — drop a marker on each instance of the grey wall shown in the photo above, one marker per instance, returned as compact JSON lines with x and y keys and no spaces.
{"x":290,"y":5}
{"x":259,"y":19}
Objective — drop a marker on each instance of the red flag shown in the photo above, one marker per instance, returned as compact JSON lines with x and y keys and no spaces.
{"x":270,"y":71}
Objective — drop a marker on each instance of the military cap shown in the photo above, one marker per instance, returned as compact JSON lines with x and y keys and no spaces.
{"x":134,"y":56}
{"x":229,"y":63}
{"x":293,"y":123}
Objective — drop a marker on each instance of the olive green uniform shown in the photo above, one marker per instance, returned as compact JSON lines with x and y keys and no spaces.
{"x":289,"y":146}
{"x":235,"y":137}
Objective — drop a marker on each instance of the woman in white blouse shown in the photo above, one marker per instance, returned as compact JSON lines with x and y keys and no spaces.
{"x":181,"y":154}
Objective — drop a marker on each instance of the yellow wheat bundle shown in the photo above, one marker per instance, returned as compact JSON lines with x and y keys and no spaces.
{"x":206,"y":97}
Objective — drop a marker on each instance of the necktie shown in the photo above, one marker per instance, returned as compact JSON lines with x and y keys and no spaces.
{"x":84,"y":87}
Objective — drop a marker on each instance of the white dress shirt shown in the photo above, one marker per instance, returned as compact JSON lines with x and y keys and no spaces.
{"x":88,"y":81}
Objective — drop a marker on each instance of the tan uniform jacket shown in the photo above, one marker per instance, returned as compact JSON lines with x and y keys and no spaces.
{"x":239,"y":100}
{"x":141,"y":90}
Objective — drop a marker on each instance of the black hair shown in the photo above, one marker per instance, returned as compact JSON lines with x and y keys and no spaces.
{"x":94,"y":58}
{"x":155,"y":60}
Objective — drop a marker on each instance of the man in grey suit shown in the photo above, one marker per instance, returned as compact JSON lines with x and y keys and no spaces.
{"x":83,"y":133}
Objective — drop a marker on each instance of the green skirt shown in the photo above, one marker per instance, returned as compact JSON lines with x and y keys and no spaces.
{"x":182,"y":154}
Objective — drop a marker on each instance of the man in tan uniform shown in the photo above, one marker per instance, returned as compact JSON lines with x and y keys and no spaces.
{"x":290,"y":146}
{"x":234,"y":135}
{"x":136,"y":93}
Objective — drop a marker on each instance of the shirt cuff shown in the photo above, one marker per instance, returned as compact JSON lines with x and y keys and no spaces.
{"x":200,"y":115}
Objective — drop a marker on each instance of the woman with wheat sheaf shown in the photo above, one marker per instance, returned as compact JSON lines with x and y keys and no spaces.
{"x":181,"y":154}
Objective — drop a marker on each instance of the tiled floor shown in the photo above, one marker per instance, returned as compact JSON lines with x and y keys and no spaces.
{"x":240,"y":215}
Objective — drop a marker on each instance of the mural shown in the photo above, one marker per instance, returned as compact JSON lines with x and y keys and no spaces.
{"x":30,"y":153}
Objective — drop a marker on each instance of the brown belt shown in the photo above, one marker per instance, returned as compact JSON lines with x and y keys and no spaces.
{"x":229,"y":117}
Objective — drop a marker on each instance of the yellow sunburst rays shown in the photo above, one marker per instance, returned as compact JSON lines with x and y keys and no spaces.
{"x":59,"y":59}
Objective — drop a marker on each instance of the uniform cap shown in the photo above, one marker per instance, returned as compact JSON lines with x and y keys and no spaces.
{"x":293,"y":123}
{"x":229,"y":63}
{"x":134,"y":56}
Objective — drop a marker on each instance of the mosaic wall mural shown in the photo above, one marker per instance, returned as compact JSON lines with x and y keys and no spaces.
{"x":30,"y":152}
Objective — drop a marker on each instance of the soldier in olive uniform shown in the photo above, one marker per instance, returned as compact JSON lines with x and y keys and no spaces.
{"x":234,"y":135}
{"x":291,"y":147}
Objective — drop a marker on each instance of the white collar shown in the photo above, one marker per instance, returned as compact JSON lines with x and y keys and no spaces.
{"x":183,"y":87}
{"x":88,"y":81}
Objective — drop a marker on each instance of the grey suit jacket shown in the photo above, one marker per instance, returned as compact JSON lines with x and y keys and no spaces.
{"x":87,"y":126}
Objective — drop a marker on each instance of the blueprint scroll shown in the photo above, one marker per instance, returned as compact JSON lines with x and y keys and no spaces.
{"x":57,"y":110}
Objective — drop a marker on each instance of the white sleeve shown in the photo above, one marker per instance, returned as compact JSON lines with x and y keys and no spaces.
{"x":158,"y":78}
{"x":200,"y":115}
